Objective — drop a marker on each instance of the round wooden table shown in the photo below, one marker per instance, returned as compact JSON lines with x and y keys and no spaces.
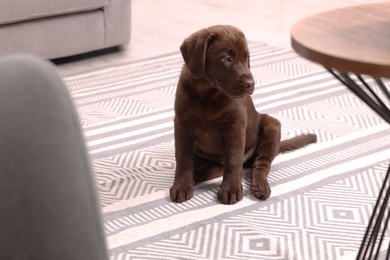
{"x":355,"y":39}
{"x":353,"y":44}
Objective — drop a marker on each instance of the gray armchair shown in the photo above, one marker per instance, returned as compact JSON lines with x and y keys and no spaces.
{"x":58,"y":28}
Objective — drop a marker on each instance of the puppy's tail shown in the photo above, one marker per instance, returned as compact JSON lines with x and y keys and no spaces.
{"x":297,"y":142}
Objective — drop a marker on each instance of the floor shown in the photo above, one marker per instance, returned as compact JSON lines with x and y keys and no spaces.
{"x":159,"y":27}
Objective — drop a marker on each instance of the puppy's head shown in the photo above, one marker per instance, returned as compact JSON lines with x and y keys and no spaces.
{"x":220,"y":55}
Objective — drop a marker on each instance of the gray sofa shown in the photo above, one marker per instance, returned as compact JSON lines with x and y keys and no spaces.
{"x":58,"y":28}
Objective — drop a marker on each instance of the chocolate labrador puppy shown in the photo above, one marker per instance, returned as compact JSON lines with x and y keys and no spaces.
{"x":217,"y":128}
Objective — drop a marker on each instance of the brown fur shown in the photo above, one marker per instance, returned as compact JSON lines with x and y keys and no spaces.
{"x":217,"y":128}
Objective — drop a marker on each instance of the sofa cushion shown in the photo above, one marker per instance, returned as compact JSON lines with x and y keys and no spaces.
{"x":59,"y":36}
{"x":20,"y":10}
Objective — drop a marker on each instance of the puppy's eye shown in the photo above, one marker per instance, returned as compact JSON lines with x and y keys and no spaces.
{"x":227,"y":60}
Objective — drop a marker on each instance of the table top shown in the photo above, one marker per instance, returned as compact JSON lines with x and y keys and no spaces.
{"x":352,"y":39}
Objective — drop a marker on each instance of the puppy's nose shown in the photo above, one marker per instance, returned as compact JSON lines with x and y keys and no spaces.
{"x":248,"y":83}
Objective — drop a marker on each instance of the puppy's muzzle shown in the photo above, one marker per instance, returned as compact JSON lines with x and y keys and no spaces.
{"x":248,"y":85}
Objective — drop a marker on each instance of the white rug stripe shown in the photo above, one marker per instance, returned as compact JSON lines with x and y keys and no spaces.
{"x":131,"y":123}
{"x":333,"y":143}
{"x":113,"y":86}
{"x":127,"y":135}
{"x":282,"y":84}
{"x":124,"y":144}
{"x":287,"y":100}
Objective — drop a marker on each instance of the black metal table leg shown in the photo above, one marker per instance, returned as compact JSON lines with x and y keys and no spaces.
{"x":374,"y":236}
{"x":378,"y":224}
{"x":365,"y":92}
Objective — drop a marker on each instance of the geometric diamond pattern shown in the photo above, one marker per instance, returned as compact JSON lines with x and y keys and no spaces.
{"x":322,"y":195}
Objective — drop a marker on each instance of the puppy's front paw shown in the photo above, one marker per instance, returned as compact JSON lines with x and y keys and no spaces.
{"x":260,"y":188}
{"x":230,"y":193}
{"x":181,"y":192}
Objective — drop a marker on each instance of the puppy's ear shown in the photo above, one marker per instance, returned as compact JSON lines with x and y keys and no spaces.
{"x":194,"y":49}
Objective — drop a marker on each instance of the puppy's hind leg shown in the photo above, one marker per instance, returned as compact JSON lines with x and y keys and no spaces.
{"x":266,"y":150}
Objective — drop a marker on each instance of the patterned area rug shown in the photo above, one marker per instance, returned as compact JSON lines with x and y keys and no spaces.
{"x":322,"y":195}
